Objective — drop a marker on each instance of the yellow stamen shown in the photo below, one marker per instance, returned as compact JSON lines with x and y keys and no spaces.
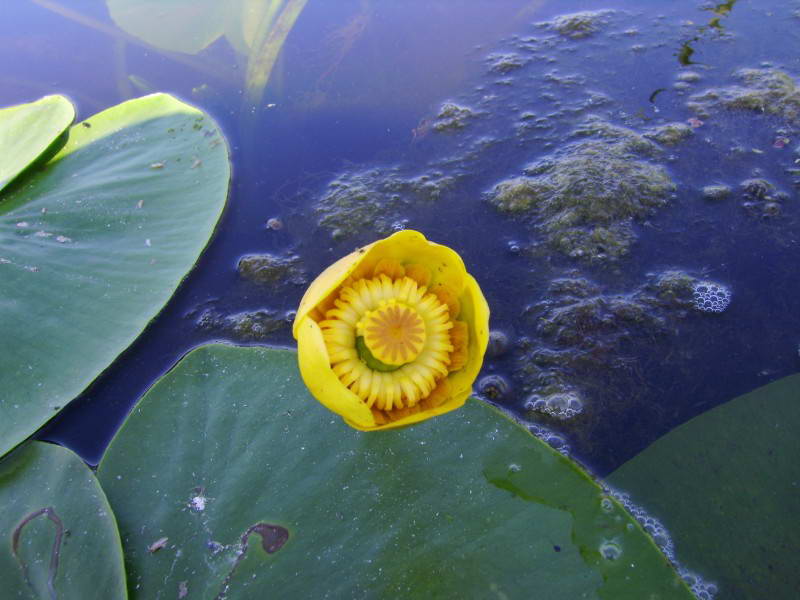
{"x":389,"y":267}
{"x":410,"y":332}
{"x":393,"y":332}
{"x":459,"y":338}
{"x":419,"y":273}
{"x":439,"y":394}
{"x":447,"y":296}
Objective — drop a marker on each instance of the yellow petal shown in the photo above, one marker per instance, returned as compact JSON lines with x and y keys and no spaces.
{"x":322,"y":382}
{"x":451,"y":403}
{"x":326,"y":283}
{"x":475,"y":312}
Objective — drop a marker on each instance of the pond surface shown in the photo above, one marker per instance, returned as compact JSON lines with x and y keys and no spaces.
{"x":602,"y":178}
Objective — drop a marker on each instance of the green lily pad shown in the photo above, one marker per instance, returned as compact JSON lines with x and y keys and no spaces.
{"x":725,"y":484}
{"x":93,"y":245}
{"x":59,"y":535}
{"x":258,"y":489}
{"x":28,"y":130}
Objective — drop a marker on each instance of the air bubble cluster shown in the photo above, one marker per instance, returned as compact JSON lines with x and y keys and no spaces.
{"x":561,"y":406}
{"x":702,"y":590}
{"x":651,"y":525}
{"x":711,"y":297}
{"x":554,"y":440}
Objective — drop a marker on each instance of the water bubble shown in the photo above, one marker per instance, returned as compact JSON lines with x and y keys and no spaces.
{"x":514,"y":468}
{"x":610,"y":550}
{"x":498,"y":343}
{"x":702,"y":590}
{"x":399,"y":225}
{"x":709,"y":296}
{"x":771,"y":209}
{"x":550,"y":438}
{"x":561,"y":405}
{"x":274,"y":224}
{"x":650,"y":524}
{"x":494,"y":387}
{"x":607,"y":505}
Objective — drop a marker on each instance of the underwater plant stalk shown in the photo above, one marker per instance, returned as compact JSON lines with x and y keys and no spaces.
{"x":267,"y":45}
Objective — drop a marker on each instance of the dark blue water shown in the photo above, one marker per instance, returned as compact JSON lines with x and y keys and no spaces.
{"x":354,"y":80}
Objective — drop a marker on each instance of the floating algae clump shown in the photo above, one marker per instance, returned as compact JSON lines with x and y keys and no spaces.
{"x":271,"y":269}
{"x":245,"y":326}
{"x":669,"y":289}
{"x":452,"y":117}
{"x":504,"y":63}
{"x":372,"y":200}
{"x":670,"y":134}
{"x":585,"y":197}
{"x":357,"y":202}
{"x":768,"y":91}
{"x":582,"y":332}
{"x":578,"y":25}
{"x":716,"y":192}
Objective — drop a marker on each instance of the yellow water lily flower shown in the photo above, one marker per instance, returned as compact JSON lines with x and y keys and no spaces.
{"x":393,"y":333}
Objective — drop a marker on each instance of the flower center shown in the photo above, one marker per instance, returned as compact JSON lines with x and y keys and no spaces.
{"x":393,"y":342}
{"x":393,"y":332}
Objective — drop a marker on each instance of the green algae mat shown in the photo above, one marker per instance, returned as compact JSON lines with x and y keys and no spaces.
{"x":94,"y":241}
{"x":725,"y":484}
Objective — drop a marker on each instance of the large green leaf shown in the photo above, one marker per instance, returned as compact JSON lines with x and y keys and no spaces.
{"x":27,"y":130}
{"x":227,"y":455}
{"x":93,"y":245}
{"x":59,"y":538}
{"x":726,"y":486}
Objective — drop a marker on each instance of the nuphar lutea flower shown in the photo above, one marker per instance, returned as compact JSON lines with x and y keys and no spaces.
{"x":393,"y":333}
